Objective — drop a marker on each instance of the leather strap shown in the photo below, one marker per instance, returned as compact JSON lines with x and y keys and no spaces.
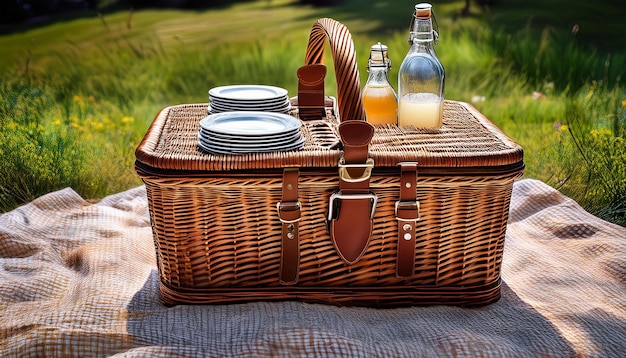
{"x":351,"y":212}
{"x":289,"y":209}
{"x":355,"y":136}
{"x":311,"y":92}
{"x":407,"y":215}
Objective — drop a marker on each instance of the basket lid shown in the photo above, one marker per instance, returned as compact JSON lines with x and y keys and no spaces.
{"x":467,"y":139}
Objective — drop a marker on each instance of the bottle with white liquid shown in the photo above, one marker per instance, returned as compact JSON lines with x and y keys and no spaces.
{"x":421,"y":78}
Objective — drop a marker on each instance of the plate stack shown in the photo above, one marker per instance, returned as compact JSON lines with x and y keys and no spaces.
{"x":248,"y":98}
{"x":249,"y":132}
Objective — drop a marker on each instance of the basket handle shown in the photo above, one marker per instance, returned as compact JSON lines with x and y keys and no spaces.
{"x":346,"y":70}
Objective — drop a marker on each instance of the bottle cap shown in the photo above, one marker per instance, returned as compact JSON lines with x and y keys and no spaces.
{"x":423,"y":10}
{"x":379,"y":56}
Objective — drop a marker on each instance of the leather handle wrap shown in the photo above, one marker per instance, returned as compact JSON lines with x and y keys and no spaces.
{"x":349,"y":98}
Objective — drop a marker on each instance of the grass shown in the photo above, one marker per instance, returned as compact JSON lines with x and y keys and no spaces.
{"x":77,"y":96}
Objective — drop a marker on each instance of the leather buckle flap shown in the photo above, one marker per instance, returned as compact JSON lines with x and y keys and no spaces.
{"x":351,"y":227}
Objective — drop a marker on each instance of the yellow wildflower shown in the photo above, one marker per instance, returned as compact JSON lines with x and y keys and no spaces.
{"x":98,"y":126}
{"x":78,"y":98}
{"x":127,"y":119}
{"x":57,"y":122}
{"x":624,"y":103}
{"x":92,"y":99}
{"x":108,"y":123}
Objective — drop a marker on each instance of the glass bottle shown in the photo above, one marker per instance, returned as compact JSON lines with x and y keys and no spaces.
{"x":421,"y":77}
{"x":379,"y":98}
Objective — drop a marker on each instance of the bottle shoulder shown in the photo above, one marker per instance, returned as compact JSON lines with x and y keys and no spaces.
{"x":378,"y":75}
{"x":421,"y":61}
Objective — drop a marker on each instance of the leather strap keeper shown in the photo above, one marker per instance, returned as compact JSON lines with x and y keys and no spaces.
{"x":351,"y":210}
{"x":311,"y":92}
{"x":289,"y":211}
{"x":407,"y":215}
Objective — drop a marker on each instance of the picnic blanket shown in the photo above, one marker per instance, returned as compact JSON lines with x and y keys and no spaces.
{"x":78,"y":279}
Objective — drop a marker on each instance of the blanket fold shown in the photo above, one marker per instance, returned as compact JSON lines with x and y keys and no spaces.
{"x":79,"y":279}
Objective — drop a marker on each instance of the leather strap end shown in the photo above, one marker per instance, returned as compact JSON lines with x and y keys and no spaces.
{"x":312,"y":75}
{"x":311,"y":96}
{"x":289,"y":211}
{"x":407,"y":214}
{"x":356,"y":133}
{"x":356,"y":136}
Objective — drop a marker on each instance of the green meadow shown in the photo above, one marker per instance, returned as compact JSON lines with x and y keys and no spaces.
{"x":78,"y":93}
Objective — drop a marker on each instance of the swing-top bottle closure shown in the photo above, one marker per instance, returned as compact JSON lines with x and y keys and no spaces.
{"x":379,"y":98}
{"x":424,"y":11}
{"x":421,"y":76}
{"x":379,"y":57}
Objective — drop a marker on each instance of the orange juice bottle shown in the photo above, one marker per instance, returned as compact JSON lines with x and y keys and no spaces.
{"x":379,"y":99}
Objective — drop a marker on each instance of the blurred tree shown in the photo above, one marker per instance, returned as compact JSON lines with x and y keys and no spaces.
{"x":14,"y":11}
{"x":321,"y":2}
{"x":466,"y":9}
{"x":483,"y":3}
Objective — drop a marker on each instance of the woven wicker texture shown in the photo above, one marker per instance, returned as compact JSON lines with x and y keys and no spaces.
{"x":344,"y":59}
{"x":221,"y":232}
{"x":218,"y":236}
{"x":467,"y":139}
{"x":79,"y":279}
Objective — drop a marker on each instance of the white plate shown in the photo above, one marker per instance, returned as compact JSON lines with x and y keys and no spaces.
{"x":263,"y":102}
{"x":247,"y":106}
{"x":247,"y":92}
{"x":226,"y":138}
{"x":222,"y":108}
{"x":211,"y":110}
{"x":251,"y":123}
{"x":229,"y":150}
{"x":231,"y":144}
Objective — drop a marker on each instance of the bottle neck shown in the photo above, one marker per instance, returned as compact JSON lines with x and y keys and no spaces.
{"x":377,"y":75}
{"x":422,"y":31}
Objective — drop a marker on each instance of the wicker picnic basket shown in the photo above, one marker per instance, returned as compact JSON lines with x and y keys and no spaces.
{"x":387,"y":218}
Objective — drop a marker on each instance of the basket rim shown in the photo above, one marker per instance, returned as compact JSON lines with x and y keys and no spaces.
{"x":152,"y":152}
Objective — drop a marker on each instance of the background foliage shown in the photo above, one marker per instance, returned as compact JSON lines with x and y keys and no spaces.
{"x":78,"y":90}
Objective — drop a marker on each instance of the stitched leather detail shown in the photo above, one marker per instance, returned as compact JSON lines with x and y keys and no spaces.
{"x":312,"y":75}
{"x":407,"y":215}
{"x":352,"y":212}
{"x":351,"y":230}
{"x":355,"y":136}
{"x":311,"y":91}
{"x":289,"y":211}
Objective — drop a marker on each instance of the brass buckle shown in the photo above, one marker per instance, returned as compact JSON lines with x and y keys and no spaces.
{"x":345,"y":175}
